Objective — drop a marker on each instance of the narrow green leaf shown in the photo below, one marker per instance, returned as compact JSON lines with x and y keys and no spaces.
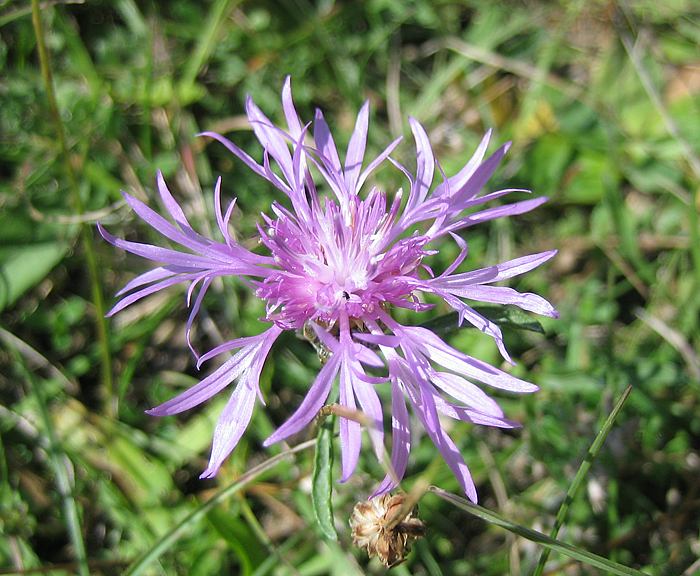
{"x":61,"y":466}
{"x":22,"y":267}
{"x":581,"y":474}
{"x":534,"y":536}
{"x":169,"y":539}
{"x":238,"y":537}
{"x":130,"y":12}
{"x":511,"y":317}
{"x":206,"y":44}
{"x":504,"y":316}
{"x":322,"y":489}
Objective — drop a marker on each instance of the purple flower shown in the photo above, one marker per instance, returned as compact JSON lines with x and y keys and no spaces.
{"x":337,"y":265}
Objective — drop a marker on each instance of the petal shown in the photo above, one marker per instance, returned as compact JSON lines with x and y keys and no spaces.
{"x":459,"y":180}
{"x":158,"y":254}
{"x":428,"y":343}
{"x":312,"y":403}
{"x":492,"y":214}
{"x":463,"y":251}
{"x":222,"y":221}
{"x":478,"y":321}
{"x":350,"y":430}
{"x":425,"y":409}
{"x":505,"y":295}
{"x":356,"y":149}
{"x":460,"y":197}
{"x":425,"y":166}
{"x":376,"y":162}
{"x":271,"y":138}
{"x":189,"y":238}
{"x":400,"y":441}
{"x":147,"y":291}
{"x":290,"y":112}
{"x":171,"y":205}
{"x":474,"y":416}
{"x":464,"y":391}
{"x":193,"y":314}
{"x":146,"y":278}
{"x":230,"y":427}
{"x":236,"y":151}
{"x":372,"y":407}
{"x":326,"y":145}
{"x":380,"y":339}
{"x":499,"y":272}
{"x":215,"y":382}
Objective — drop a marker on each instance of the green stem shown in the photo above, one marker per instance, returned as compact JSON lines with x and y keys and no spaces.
{"x":79,"y":207}
{"x":581,"y":474}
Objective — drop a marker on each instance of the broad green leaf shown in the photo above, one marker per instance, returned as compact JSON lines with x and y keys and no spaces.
{"x":22,"y":267}
{"x":322,"y":489}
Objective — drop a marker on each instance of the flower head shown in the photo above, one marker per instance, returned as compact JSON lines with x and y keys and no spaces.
{"x":385,"y":530}
{"x":336,"y":265}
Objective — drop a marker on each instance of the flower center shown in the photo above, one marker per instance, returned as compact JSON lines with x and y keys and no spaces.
{"x":339,"y":261}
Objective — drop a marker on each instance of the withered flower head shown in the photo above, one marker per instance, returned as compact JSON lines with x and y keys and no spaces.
{"x":375,"y":526}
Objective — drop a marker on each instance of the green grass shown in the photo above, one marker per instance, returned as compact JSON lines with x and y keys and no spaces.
{"x":602,"y":102}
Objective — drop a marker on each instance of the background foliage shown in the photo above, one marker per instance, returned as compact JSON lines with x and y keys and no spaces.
{"x":602,"y":101}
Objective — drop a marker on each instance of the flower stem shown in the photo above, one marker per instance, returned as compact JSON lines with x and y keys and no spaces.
{"x":79,"y":208}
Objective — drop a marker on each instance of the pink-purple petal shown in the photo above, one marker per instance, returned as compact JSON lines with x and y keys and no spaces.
{"x":290,"y":112}
{"x":350,"y":430}
{"x":505,"y":295}
{"x":425,"y":165}
{"x":312,"y":403}
{"x":205,"y":389}
{"x":464,"y":391}
{"x":459,"y":180}
{"x":356,"y":149}
{"x":231,"y":425}
{"x":400,"y":442}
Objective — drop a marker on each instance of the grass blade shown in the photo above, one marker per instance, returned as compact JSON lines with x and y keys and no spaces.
{"x":207,"y":41}
{"x":581,"y":474}
{"x":574,"y":552}
{"x":60,"y":463}
{"x":192,"y":519}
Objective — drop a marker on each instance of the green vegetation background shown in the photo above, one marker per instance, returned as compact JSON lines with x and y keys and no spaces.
{"x":602,"y":102}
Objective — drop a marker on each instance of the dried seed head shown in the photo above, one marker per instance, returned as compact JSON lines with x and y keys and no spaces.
{"x":375,"y":527}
